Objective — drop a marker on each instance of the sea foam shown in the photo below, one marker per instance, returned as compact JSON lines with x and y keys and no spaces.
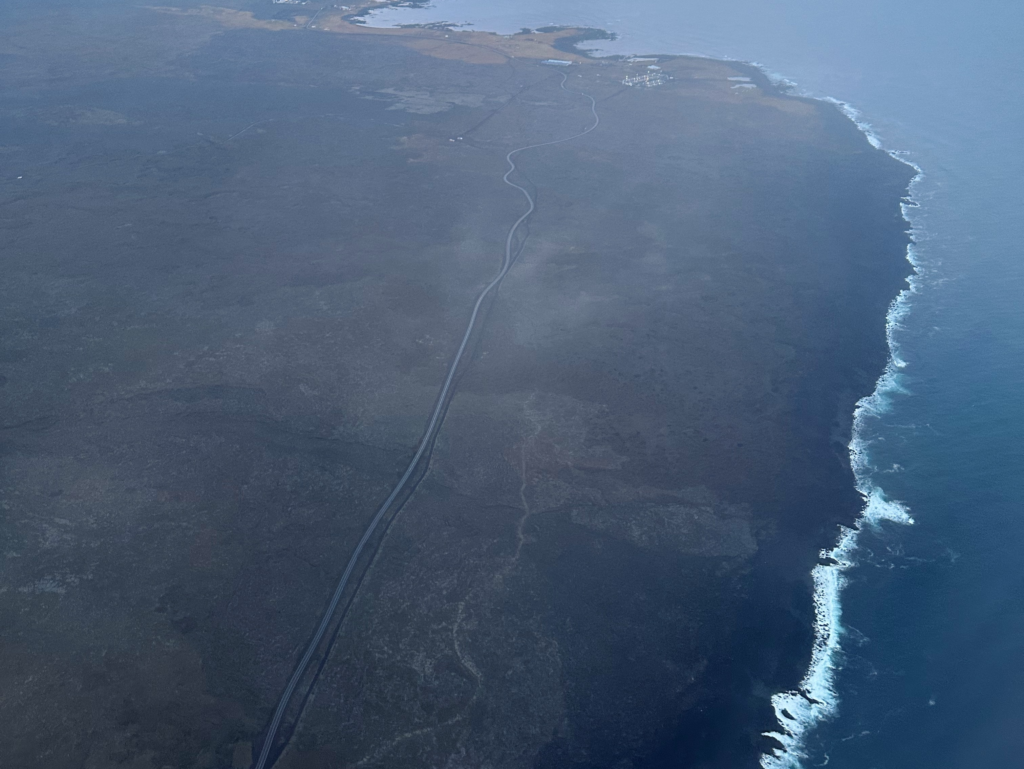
{"x":815,"y":699}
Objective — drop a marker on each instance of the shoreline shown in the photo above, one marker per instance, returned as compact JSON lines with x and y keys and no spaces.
{"x":816,"y":699}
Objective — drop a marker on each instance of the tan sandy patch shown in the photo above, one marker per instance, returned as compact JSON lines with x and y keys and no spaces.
{"x":469,"y":46}
{"x":227,"y":17}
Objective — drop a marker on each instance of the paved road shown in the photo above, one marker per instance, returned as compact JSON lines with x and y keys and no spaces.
{"x":428,"y":435}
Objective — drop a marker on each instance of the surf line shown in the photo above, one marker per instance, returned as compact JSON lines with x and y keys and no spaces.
{"x":432,"y":427}
{"x":798,"y":712}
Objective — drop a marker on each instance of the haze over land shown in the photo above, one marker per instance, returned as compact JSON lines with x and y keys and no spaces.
{"x":241,"y":248}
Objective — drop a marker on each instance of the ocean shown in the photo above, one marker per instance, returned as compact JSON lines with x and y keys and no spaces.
{"x":920,"y":654}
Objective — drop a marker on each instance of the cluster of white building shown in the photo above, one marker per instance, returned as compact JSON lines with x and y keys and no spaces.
{"x":647,"y":80}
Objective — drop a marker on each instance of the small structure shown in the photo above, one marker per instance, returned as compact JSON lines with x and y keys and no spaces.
{"x":557,"y":62}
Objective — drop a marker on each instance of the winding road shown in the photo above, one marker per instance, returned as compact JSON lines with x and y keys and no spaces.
{"x":434,"y":424}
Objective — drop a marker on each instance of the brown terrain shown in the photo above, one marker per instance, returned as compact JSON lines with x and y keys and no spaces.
{"x":240,"y":248}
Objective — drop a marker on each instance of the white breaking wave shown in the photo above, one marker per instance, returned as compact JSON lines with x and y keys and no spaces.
{"x":858,"y":120}
{"x":816,"y":699}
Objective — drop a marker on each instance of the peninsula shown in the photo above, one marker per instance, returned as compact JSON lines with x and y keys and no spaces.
{"x":594,"y":329}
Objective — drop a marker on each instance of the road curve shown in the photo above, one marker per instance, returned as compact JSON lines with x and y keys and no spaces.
{"x":432,"y":427}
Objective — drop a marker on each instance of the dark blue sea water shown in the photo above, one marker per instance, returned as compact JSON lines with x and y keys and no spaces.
{"x":921,"y":658}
